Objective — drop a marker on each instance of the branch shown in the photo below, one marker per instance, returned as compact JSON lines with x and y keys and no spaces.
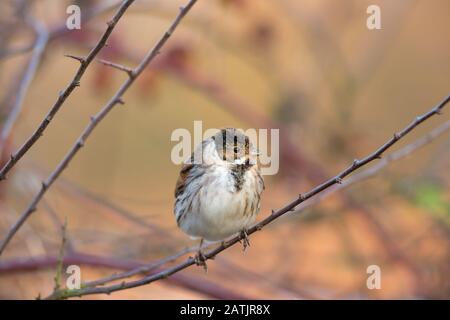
{"x":336,"y":180}
{"x":372,"y":171}
{"x":190,"y":282}
{"x":60,"y":264}
{"x":143,"y":270}
{"x":130,"y":216}
{"x":117,"y":66}
{"x":84,"y":63}
{"x":42,"y":37}
{"x":95,"y":120}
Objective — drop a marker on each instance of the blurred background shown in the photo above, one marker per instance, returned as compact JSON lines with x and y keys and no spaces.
{"x":312,"y":68}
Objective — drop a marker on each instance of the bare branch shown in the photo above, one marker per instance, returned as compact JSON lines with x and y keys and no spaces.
{"x":39,"y":48}
{"x":79,"y":59}
{"x":59,"y":266}
{"x":372,"y":171}
{"x":337,"y":180}
{"x":65,"y":93}
{"x":61,"y":29}
{"x":117,"y":66}
{"x":190,"y":282}
{"x":95,"y":120}
{"x":130,"y":216}
{"x":145,"y":269}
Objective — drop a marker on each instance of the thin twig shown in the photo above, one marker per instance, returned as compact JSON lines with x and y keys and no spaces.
{"x":129,"y":215}
{"x":62,"y":30}
{"x":39,"y":48}
{"x":145,"y":269}
{"x":95,"y":120}
{"x":372,"y":171}
{"x":84,"y":63}
{"x":60,"y":264}
{"x":59,"y":224}
{"x":117,"y":66}
{"x":336,"y":180}
{"x":186,"y":281}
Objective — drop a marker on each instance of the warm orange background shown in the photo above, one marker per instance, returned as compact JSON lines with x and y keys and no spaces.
{"x":336,"y":89}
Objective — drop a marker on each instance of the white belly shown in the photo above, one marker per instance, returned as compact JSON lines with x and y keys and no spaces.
{"x":218,"y":210}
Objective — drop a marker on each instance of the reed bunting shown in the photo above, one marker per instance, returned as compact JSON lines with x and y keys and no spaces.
{"x":219,"y":188}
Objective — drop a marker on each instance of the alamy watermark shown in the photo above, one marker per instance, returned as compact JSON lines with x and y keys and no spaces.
{"x":73,"y":21}
{"x":265,"y":143}
{"x":73,"y":281}
{"x":374,"y":278}
{"x":373,"y":21}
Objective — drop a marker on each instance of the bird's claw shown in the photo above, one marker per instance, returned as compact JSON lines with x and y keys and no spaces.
{"x":245,"y":240}
{"x":200,"y":260}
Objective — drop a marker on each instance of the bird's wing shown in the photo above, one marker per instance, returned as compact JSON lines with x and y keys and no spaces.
{"x":181,"y":182}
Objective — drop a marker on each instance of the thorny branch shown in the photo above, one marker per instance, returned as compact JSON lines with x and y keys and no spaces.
{"x":63,"y":95}
{"x":372,"y":171}
{"x":95,"y":120}
{"x":203,"y":286}
{"x":292,"y":206}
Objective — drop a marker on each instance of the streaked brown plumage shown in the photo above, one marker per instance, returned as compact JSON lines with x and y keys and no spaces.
{"x":219,"y":188}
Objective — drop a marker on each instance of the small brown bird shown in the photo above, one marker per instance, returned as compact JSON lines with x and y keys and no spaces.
{"x":219,"y":188}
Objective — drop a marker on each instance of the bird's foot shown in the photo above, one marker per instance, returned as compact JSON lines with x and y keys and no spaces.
{"x":245,"y":240}
{"x":200,"y":260}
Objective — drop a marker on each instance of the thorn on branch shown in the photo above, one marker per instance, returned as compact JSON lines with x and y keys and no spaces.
{"x":79,"y":59}
{"x":396,"y":136}
{"x":80,"y":143}
{"x":301,"y":197}
{"x":355,"y":162}
{"x":117,"y":66}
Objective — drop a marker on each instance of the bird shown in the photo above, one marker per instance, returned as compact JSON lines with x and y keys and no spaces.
{"x":219,"y":189}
